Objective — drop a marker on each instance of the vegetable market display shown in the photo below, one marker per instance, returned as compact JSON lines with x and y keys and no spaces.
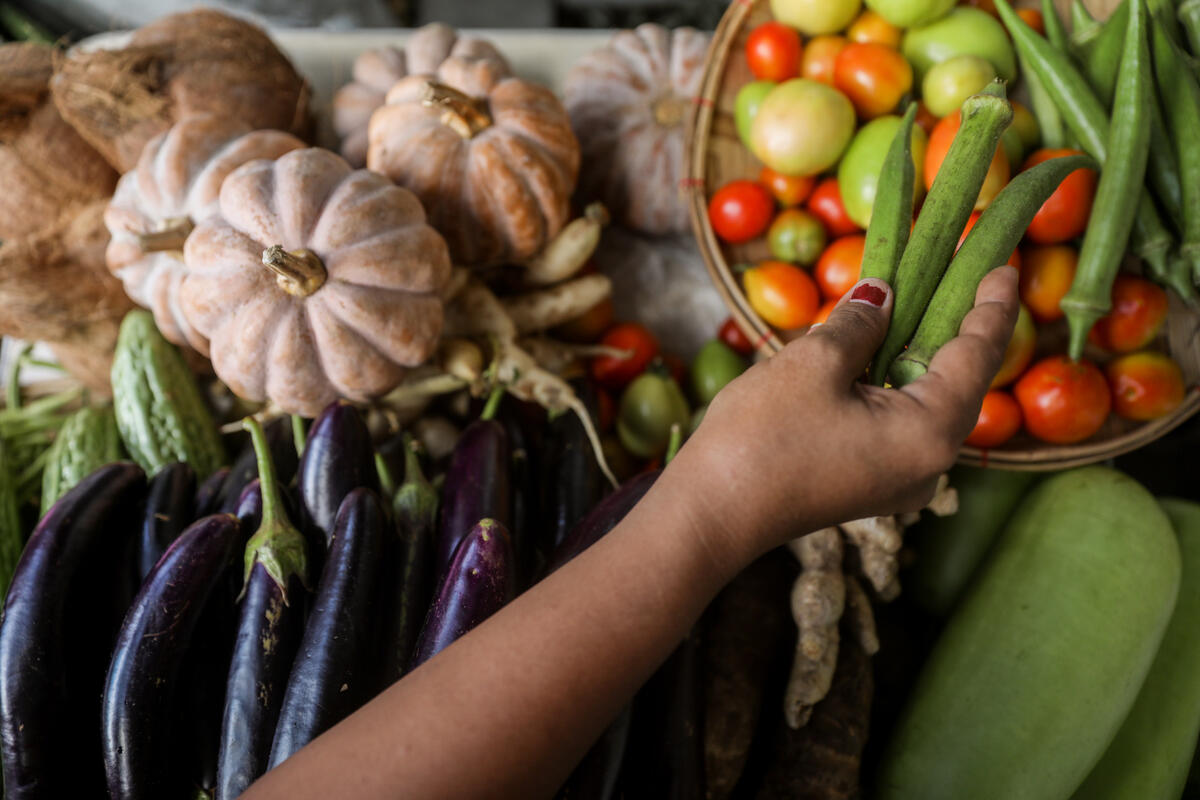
{"x":357,"y":414}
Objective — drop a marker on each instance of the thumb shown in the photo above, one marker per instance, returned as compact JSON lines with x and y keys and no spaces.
{"x":855,"y":329}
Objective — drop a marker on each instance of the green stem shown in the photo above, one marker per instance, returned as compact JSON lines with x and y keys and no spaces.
{"x":493,"y":402}
{"x":42,"y":406}
{"x":674,"y":443}
{"x":416,"y":501}
{"x":22,"y":27}
{"x":277,"y":545}
{"x":299,"y":434}
{"x":266,"y":472}
{"x":12,"y":383}
{"x":387,"y":481}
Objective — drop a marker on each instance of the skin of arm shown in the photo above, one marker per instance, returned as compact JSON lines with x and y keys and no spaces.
{"x":795,"y":444}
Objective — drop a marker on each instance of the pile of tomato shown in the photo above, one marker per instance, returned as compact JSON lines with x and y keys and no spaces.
{"x":820,"y":115}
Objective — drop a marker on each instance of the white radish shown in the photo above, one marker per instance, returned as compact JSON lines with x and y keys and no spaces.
{"x":541,"y":310}
{"x":567,"y":252}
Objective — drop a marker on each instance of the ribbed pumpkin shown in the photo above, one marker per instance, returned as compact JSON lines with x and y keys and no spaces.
{"x":176,"y":184}
{"x":492,"y":158}
{"x":629,"y":103}
{"x":378,"y":69}
{"x":314,"y":281}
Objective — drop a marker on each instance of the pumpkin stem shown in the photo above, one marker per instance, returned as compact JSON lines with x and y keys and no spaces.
{"x":171,"y":234}
{"x":669,"y":110}
{"x":298,"y":272}
{"x":462,"y":113}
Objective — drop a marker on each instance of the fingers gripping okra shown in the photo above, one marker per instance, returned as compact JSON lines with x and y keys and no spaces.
{"x":943,"y":217}
{"x":1108,"y":230}
{"x":891,"y":217}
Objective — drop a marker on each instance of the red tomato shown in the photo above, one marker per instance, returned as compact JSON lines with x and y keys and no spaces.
{"x":1065,"y":213}
{"x":1145,"y":385}
{"x":588,"y":326}
{"x":1139,"y":309}
{"x":606,"y":410}
{"x":925,"y":118}
{"x":824,"y":311}
{"x":740,"y":211}
{"x":825,"y":203}
{"x":1032,"y":17}
{"x":773,"y":52}
{"x":873,"y":76}
{"x":871,"y":27}
{"x":1063,"y":401}
{"x":1014,"y":260}
{"x":939,"y":144}
{"x":819,"y":57}
{"x":676,"y":367}
{"x":788,"y":190}
{"x":1046,"y":275}
{"x":613,"y":373}
{"x":732,"y":334}
{"x":782,"y":294}
{"x":838,"y":268}
{"x":999,"y":420}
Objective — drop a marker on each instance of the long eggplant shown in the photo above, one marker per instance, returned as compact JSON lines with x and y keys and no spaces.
{"x":337,"y":459}
{"x":169,"y":509}
{"x":336,"y":669}
{"x":245,"y":467}
{"x":270,"y":624}
{"x":572,"y":478}
{"x":60,"y":619}
{"x":477,"y":486}
{"x":479,"y":581}
{"x":603,"y":518}
{"x":524,"y":424}
{"x":414,"y":514}
{"x":208,"y":492}
{"x":146,"y":744}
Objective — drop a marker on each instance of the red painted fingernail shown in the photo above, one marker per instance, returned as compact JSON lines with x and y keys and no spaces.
{"x":870,"y":294}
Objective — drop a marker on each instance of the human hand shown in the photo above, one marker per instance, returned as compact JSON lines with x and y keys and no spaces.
{"x":798,"y":442}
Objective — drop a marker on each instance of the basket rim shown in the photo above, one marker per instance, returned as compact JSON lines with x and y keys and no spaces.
{"x":699,"y":134}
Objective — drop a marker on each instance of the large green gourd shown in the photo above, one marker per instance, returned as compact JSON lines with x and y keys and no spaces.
{"x":1041,"y":662}
{"x":87,"y":441}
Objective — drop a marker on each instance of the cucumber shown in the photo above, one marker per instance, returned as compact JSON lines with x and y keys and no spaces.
{"x":160,"y":413}
{"x":87,"y":441}
{"x":1150,"y":757}
{"x":1041,"y":662}
{"x":949,"y":549}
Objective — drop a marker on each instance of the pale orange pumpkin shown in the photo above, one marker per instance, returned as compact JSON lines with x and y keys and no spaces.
{"x":378,"y":69}
{"x":314,"y":281}
{"x":492,"y":158}
{"x":629,"y":102}
{"x":175,"y":185}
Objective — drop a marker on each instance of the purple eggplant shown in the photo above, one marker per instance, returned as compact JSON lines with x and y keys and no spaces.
{"x":480,"y":580}
{"x":477,"y":486}
{"x":602,"y":519}
{"x":245,"y":467}
{"x":147,"y":732}
{"x":524,"y":423}
{"x":338,"y":458}
{"x":414,"y":514}
{"x":270,"y":624}
{"x":572,"y":479}
{"x":208,"y":492}
{"x":336,"y":669}
{"x":60,"y":619}
{"x":169,"y":509}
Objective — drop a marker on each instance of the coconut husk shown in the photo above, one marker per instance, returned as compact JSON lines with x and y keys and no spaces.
{"x":196,"y":62}
{"x":45,"y":167}
{"x":55,"y":287}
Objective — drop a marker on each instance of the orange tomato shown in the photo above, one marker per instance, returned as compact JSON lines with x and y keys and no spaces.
{"x":588,"y":326}
{"x":1065,"y":213}
{"x":925,"y":118}
{"x":999,"y":420}
{"x":788,"y":190}
{"x":1032,"y":17}
{"x":824,"y":311}
{"x":1014,"y":260}
{"x":1139,"y":309}
{"x":782,"y":294}
{"x":819,"y":57}
{"x":873,"y":76}
{"x":1020,"y":349}
{"x":773,"y":51}
{"x":838,"y":268}
{"x":825,"y":203}
{"x":871,"y":27}
{"x":1145,"y":385}
{"x":1063,"y":401}
{"x":939,"y":144}
{"x":1046,"y":275}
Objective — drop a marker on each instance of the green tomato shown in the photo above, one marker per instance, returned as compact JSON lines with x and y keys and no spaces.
{"x":746,"y":104}
{"x":858,"y":174}
{"x":964,"y":31}
{"x":802,"y":127}
{"x":907,"y":13}
{"x":796,"y":236}
{"x":649,"y":407}
{"x":952,"y":81}
{"x":815,"y":17}
{"x":714,"y":366}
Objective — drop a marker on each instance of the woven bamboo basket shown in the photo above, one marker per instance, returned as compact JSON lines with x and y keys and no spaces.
{"x":715,"y":156}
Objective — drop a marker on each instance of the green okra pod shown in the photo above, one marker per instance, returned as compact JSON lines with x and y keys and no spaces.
{"x":891,"y":216}
{"x":1081,"y":18}
{"x":1056,"y":34}
{"x":1107,"y":236}
{"x":1188,"y":15}
{"x":988,"y":245}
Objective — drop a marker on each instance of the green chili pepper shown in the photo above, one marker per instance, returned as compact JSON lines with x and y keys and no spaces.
{"x":891,"y":216}
{"x":988,"y":245}
{"x":949,"y":204}
{"x":1107,"y":236}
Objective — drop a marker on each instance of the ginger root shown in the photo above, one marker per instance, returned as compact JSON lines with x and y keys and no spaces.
{"x":818,"y":599}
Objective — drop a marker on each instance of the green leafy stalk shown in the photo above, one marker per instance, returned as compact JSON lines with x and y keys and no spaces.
{"x":891,"y":215}
{"x":277,"y":545}
{"x":299,"y":434}
{"x":674,"y":443}
{"x":493,"y":402}
{"x":12,"y":383}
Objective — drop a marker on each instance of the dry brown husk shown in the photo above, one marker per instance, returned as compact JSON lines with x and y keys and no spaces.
{"x":201,"y":61}
{"x":54,"y":287}
{"x":45,"y":167}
